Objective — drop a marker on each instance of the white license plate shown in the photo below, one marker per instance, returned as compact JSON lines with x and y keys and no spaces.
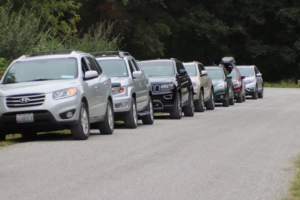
{"x":25,"y":118}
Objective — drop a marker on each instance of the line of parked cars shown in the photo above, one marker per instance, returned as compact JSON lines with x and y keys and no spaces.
{"x":68,"y":89}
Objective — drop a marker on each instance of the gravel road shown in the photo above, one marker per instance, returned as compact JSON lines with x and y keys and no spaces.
{"x":245,"y":151}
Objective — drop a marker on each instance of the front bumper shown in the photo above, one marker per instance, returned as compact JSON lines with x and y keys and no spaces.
{"x":220,"y":95}
{"x":122,"y":104}
{"x":163,"y":102}
{"x":250,"y":88}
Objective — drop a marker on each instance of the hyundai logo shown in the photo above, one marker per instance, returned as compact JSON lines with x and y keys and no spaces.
{"x":24,"y":100}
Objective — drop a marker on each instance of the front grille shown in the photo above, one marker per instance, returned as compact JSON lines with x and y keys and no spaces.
{"x":156,"y":88}
{"x":25,"y":100}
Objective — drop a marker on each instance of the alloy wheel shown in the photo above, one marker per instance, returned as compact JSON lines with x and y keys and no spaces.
{"x":151,"y":111}
{"x":110,"y":118}
{"x":84,"y":121}
{"x":134,"y":113}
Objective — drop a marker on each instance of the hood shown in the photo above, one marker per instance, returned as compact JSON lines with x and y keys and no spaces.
{"x":161,"y":79}
{"x":215,"y":82}
{"x":36,"y":87}
{"x":249,"y":78}
{"x":119,"y":80}
{"x":234,"y":80}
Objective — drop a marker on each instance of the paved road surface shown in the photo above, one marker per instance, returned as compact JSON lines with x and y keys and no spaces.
{"x":245,"y":151}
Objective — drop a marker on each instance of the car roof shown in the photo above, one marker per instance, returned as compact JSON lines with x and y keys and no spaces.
{"x":213,"y":67}
{"x":228,"y":60}
{"x":245,"y":66}
{"x":157,"y":60}
{"x":53,"y":55}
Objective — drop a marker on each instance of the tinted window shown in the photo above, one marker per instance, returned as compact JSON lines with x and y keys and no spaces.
{"x":135,"y":65}
{"x":246,"y":71}
{"x":215,"y":73}
{"x":46,"y":69}
{"x":179,"y":66}
{"x":114,"y":68}
{"x":190,"y":69}
{"x":132,"y":69}
{"x":97,"y":65}
{"x":91,"y":65}
{"x":157,"y":68}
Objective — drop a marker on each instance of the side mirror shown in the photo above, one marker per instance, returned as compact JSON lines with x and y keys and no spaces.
{"x":182,"y":72}
{"x":243,"y":77}
{"x":137,"y":74}
{"x":229,"y":77}
{"x":90,"y":75}
{"x":204,"y":72}
{"x":258,"y":75}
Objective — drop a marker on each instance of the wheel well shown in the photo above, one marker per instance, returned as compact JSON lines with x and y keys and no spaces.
{"x":85,"y":101}
{"x":150,"y":93}
{"x":134,"y":96}
{"x":110,"y":99}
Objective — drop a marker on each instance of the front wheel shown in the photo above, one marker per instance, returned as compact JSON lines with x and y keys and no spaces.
{"x":81,"y":130}
{"x":131,"y":118}
{"x":210,"y":105}
{"x":149,"y":119}
{"x":107,"y":126}
{"x":189,"y":109}
{"x":254,"y":96}
{"x":261,"y":94}
{"x":29,"y":136}
{"x":200,"y":107}
{"x":244,"y":97}
{"x":177,"y":112}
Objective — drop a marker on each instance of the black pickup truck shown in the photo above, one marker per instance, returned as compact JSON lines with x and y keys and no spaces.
{"x":172,"y":88}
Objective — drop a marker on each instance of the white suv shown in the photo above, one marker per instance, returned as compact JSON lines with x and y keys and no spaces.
{"x":55,"y":90}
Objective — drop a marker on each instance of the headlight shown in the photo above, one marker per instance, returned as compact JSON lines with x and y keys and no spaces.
{"x":220,"y":85}
{"x":168,"y":86}
{"x":236,"y":84}
{"x":64,"y":93}
{"x":117,"y":90}
{"x":249,"y":81}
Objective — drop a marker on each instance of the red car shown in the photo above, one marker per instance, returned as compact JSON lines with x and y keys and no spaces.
{"x":238,"y":84}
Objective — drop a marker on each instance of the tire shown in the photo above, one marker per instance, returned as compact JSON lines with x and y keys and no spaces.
{"x":2,"y":137}
{"x":255,"y":95}
{"x":226,"y":102}
{"x":131,"y":118}
{"x":261,"y":94}
{"x":81,"y":130}
{"x":29,"y":136}
{"x":177,"y":111}
{"x":149,"y":119}
{"x":107,"y":126}
{"x":210,"y":105}
{"x":189,"y":109}
{"x":240,"y":99}
{"x":231,"y":101}
{"x":200,"y":107}
{"x":244,"y":97}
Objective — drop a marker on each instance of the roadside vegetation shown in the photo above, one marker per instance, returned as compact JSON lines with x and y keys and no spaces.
{"x":283,"y":84}
{"x":295,"y":184}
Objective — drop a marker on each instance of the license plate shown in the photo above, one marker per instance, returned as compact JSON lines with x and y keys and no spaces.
{"x":25,"y":118}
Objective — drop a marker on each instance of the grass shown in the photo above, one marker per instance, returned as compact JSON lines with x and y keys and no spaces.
{"x":295,"y":184}
{"x":282,"y":84}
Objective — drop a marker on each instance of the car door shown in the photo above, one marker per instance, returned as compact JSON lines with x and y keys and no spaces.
{"x":205,"y":79}
{"x":92,"y":90}
{"x":229,"y":83}
{"x":258,"y":79}
{"x":138,"y":86}
{"x":183,"y":81}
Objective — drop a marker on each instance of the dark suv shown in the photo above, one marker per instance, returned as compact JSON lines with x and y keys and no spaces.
{"x":172,"y":88}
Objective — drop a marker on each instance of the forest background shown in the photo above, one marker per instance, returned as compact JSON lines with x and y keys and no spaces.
{"x":261,"y":32}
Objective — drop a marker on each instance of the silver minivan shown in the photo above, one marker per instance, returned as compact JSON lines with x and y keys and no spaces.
{"x":55,"y":90}
{"x":253,"y":80}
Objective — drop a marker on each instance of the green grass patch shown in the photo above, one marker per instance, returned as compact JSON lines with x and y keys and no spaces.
{"x":295,"y":184}
{"x":282,"y":84}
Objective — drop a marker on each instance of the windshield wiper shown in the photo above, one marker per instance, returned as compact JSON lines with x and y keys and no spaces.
{"x":41,"y":79}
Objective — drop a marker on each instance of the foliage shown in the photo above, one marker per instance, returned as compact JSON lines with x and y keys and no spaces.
{"x":283,"y":84}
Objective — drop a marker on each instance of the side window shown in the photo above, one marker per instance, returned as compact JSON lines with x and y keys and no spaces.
{"x":256,"y":70}
{"x":179,"y":66}
{"x":91,"y":65}
{"x":135,"y":64}
{"x":132,"y":69}
{"x":99,"y":69}
{"x":84,"y":65}
{"x":200,"y":67}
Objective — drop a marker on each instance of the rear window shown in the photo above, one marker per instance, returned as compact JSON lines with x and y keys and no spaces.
{"x":113,"y":68}
{"x":42,"y":70}
{"x":190,"y":69}
{"x":157,"y":68}
{"x":215,"y":73}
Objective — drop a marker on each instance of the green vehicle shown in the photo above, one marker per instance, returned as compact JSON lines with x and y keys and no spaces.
{"x":222,"y":83}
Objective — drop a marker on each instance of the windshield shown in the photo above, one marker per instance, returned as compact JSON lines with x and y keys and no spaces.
{"x":157,"y":68}
{"x":246,"y":71}
{"x":114,"y":68}
{"x":233,"y":74}
{"x":42,"y":70}
{"x":215,"y":73}
{"x":190,"y":69}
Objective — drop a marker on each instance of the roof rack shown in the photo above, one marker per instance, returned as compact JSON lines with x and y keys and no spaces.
{"x":62,"y":51}
{"x":121,"y":54}
{"x":174,"y":59}
{"x":228,"y":60}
